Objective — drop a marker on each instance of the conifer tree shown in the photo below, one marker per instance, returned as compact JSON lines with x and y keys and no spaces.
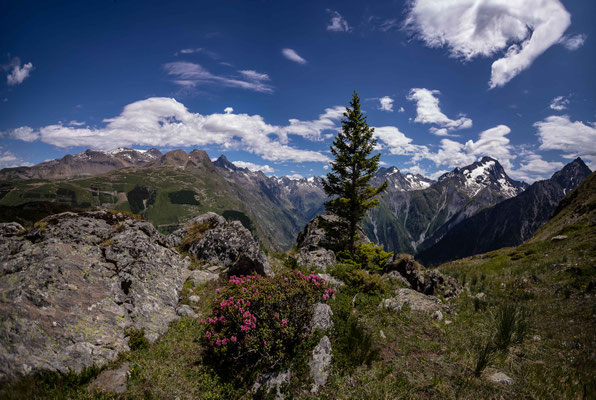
{"x":349,"y":182}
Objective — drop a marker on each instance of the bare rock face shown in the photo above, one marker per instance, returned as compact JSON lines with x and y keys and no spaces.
{"x":71,"y":286}
{"x":228,"y":245}
{"x":430,"y":282}
{"x":319,"y":363}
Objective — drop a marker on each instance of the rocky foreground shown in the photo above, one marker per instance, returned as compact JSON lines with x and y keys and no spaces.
{"x":73,"y":288}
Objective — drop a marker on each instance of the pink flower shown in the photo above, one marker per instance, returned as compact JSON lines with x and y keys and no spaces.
{"x":233,"y":339}
{"x":284,"y":322}
{"x":264,"y":343}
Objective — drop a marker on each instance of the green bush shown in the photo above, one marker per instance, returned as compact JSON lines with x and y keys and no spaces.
{"x":365,"y":256}
{"x":258,"y":323}
{"x":365,"y":282}
{"x":137,"y":339}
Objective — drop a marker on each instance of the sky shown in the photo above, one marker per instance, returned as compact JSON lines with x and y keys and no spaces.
{"x":443,"y":83}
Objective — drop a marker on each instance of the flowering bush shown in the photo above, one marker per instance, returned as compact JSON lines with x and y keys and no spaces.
{"x":259,"y":322}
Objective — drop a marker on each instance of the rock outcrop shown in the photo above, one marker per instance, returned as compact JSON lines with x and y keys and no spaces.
{"x":413,"y":299}
{"x":429,"y":282}
{"x":315,"y":247}
{"x":218,"y":243}
{"x":73,"y":285}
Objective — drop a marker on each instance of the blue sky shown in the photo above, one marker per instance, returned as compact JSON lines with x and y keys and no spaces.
{"x":443,"y":83}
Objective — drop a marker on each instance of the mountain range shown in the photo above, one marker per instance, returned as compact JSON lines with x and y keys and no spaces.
{"x":415,"y":215}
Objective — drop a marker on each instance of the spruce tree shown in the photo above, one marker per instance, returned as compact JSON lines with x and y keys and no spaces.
{"x":349,"y":183}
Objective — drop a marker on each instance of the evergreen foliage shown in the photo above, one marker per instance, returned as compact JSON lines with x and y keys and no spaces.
{"x":348,"y":183}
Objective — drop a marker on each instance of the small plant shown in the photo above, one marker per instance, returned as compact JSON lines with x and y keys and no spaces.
{"x":258,"y":323}
{"x":365,"y":282}
{"x":137,"y":339}
{"x":195,"y":233}
{"x":512,"y":326}
{"x":484,"y":351}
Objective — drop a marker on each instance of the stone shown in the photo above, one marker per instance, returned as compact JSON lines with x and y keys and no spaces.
{"x":231,"y":247}
{"x":194,"y":299}
{"x":394,"y":275}
{"x":10,"y":229}
{"x":315,"y":248}
{"x":111,"y":381}
{"x":558,"y":237}
{"x":480,"y":296}
{"x":272,"y":381}
{"x":318,"y":258}
{"x":321,"y":318}
{"x":438,"y":315}
{"x":210,"y":219}
{"x":500,"y":378}
{"x":75,"y":283}
{"x":186,"y":311}
{"x":199,"y":277}
{"x":415,"y":300}
{"x":430,"y":282}
{"x":319,"y":363}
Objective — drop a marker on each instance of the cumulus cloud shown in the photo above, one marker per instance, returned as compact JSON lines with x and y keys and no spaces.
{"x":164,"y":122}
{"x":429,"y":112}
{"x":574,"y":138}
{"x":312,"y":130}
{"x":9,"y":160}
{"x":533,"y":168}
{"x":401,"y":109}
{"x":189,"y":74}
{"x":559,"y":103}
{"x":266,"y":169}
{"x":337,"y":22}
{"x":522,"y":29}
{"x":390,"y":138}
{"x":18,"y":73}
{"x":386,"y":104}
{"x":573,"y":42}
{"x":293,"y":56}
{"x":228,"y":110}
{"x":295,"y":177}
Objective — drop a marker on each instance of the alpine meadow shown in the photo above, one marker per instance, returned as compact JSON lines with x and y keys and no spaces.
{"x":298,"y":200}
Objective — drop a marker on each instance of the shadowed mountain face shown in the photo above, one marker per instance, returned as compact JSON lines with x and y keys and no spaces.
{"x":409,"y":220}
{"x":510,"y":222}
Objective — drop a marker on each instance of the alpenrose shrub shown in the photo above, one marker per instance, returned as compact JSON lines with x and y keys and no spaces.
{"x":259,"y":323}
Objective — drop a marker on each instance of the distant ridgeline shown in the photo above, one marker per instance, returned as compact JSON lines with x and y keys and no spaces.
{"x":416,"y":215}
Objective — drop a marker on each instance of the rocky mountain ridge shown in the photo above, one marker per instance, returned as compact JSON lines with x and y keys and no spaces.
{"x":510,"y":222}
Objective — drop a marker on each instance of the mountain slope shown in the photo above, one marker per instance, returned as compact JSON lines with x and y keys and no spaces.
{"x":88,"y":163}
{"x":510,"y":222}
{"x":409,"y":220}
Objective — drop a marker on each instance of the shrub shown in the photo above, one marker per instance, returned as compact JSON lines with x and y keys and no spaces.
{"x":364,"y":282}
{"x":366,"y":256}
{"x":258,"y":323}
{"x":137,"y":339}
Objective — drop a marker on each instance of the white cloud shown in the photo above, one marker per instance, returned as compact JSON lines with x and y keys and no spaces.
{"x":573,"y":138}
{"x":312,"y":129}
{"x":266,"y":169}
{"x":295,"y":177}
{"x":573,"y":42}
{"x":17,"y":72}
{"x":337,"y":22}
{"x":534,"y":168}
{"x":401,"y":109}
{"x":559,"y":103}
{"x":25,"y":133}
{"x":429,"y":112}
{"x":524,"y":29}
{"x":395,"y":142}
{"x":164,"y":122}
{"x":293,"y":56}
{"x":190,"y":74}
{"x":228,"y":110}
{"x":386,"y":104}
{"x":254,"y":75}
{"x":76,"y":123}
{"x":9,"y":160}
